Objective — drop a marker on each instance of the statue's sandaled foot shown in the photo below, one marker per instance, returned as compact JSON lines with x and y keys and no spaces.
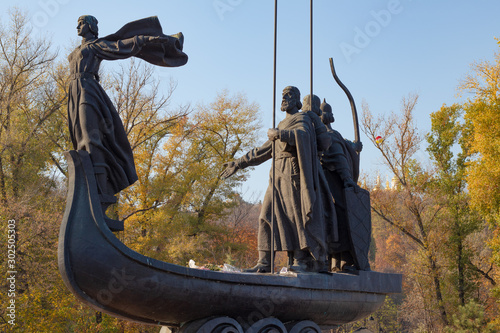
{"x":299,"y":269}
{"x":348,"y":265}
{"x":259,"y":268}
{"x":302,"y":262}
{"x":344,"y":262}
{"x":263,"y":265}
{"x":349,"y":269}
{"x":321,"y":266}
{"x":335,"y":263}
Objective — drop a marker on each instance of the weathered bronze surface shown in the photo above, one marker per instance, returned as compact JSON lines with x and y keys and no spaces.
{"x":94,"y":123}
{"x":352,"y":204}
{"x":303,"y":204}
{"x":320,"y":214}
{"x":105,"y":274}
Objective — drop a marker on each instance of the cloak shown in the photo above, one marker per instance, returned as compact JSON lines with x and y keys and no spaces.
{"x":94,"y":123}
{"x":340,"y":161}
{"x":166,"y":54}
{"x":303,"y":204}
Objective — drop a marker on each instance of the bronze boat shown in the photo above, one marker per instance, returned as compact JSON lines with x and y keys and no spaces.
{"x":107,"y":275}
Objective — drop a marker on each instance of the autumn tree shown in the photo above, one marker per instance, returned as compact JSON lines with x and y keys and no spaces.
{"x":31,"y":135}
{"x":193,"y":164}
{"x":440,"y":239}
{"x":178,"y":209}
{"x":220,"y":130}
{"x":30,"y":102}
{"x":144,"y":107}
{"x":239,"y":243}
{"x":384,"y":319}
{"x":481,"y":113}
{"x":449,"y":149}
{"x":175,"y":210}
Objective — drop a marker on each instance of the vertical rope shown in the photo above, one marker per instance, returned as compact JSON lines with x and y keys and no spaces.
{"x":274,"y":126}
{"x":311,"y":47}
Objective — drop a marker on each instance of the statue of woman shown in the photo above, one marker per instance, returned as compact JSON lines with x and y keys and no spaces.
{"x":94,"y":123}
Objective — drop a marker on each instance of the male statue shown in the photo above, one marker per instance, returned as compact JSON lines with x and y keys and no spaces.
{"x":312,"y":107}
{"x":340,"y":164}
{"x":299,"y":212}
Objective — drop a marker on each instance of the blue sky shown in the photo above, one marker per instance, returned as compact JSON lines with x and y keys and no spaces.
{"x":383,"y":50}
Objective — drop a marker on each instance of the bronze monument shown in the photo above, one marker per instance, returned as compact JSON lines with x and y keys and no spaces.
{"x":94,"y":123}
{"x":301,"y":210}
{"x":110,"y":277}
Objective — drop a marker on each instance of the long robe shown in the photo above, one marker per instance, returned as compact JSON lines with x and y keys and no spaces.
{"x":339,"y":162}
{"x":299,"y":204}
{"x":94,"y":123}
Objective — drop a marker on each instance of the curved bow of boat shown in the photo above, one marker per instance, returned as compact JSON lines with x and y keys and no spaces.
{"x":107,"y":275}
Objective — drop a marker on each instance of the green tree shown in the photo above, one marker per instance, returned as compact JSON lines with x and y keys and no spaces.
{"x":384,"y":319}
{"x":470,"y":318}
{"x":449,"y":132}
{"x":483,"y":139}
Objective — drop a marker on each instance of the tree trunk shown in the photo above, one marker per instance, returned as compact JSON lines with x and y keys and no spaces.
{"x":15,"y":162}
{"x":437,"y":288}
{"x":203,"y":211}
{"x":3,"y":192}
{"x":461,"y":268}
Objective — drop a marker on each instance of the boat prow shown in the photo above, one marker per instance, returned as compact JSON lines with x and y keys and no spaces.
{"x":107,"y":275}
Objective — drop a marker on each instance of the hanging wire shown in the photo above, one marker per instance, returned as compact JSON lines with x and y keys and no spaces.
{"x":273,"y":172}
{"x":311,"y":48}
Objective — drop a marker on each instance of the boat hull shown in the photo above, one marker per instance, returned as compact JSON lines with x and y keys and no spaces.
{"x":105,"y":274}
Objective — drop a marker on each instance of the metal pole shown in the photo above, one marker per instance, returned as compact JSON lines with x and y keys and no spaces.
{"x":311,"y":48}
{"x":274,"y":142}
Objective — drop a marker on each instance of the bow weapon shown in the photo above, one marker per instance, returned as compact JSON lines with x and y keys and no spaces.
{"x":351,"y":100}
{"x":355,"y":153}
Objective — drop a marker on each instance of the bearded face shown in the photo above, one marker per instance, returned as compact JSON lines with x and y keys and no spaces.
{"x":289,"y":101}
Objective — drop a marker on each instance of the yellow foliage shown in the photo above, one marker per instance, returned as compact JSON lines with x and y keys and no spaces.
{"x":483,"y":112}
